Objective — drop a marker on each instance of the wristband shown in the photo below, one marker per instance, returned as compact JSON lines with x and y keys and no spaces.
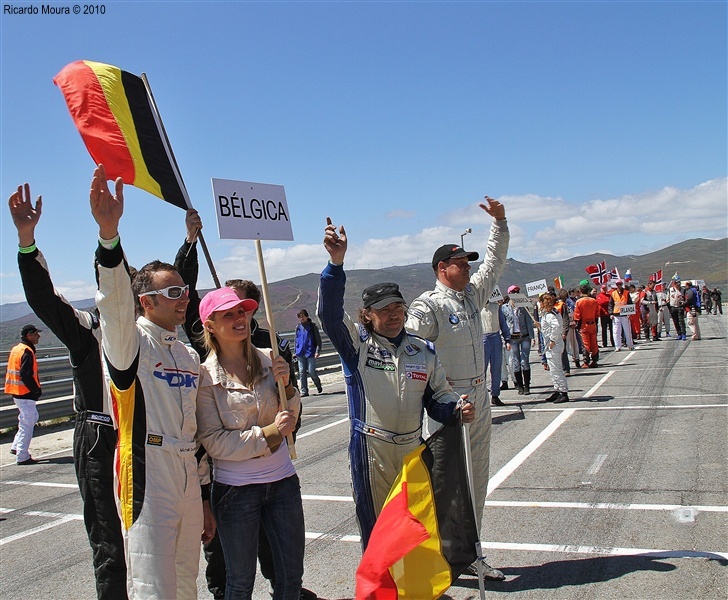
{"x":110,"y":244}
{"x":27,"y":249}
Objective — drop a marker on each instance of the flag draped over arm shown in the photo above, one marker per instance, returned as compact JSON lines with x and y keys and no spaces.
{"x":425,"y":536}
{"x":117,"y":121}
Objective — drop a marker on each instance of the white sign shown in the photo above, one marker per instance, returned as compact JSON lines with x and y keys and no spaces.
{"x":251,"y":211}
{"x":521,"y":300}
{"x":536,"y":287}
{"x":627,"y":309}
{"x":496,"y":296}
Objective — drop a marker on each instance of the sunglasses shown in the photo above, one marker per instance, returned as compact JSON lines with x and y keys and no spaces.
{"x":173,"y":292}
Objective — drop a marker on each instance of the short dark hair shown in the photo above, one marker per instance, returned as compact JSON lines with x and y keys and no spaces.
{"x":303,"y":313}
{"x":246,"y":286}
{"x":142,"y":282}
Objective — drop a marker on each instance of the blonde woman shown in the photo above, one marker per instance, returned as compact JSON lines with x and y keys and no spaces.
{"x":551,"y":329}
{"x":243,"y":429}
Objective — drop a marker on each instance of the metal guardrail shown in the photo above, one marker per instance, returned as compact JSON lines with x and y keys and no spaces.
{"x":56,"y":378}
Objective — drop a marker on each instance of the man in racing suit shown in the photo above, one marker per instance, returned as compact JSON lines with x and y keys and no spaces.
{"x":94,"y":436}
{"x":152,"y":378}
{"x":449,"y":316}
{"x":390,"y":375}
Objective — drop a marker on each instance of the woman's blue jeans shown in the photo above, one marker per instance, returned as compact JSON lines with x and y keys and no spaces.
{"x":239,"y":512}
{"x":520,"y":351}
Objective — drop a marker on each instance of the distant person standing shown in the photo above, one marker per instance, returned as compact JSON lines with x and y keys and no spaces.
{"x":692,"y":307}
{"x":22,"y":383}
{"x":677,"y":309}
{"x":308,"y":348}
{"x":715,"y":296}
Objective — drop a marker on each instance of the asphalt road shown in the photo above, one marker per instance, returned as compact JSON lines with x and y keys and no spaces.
{"x":622,"y":493}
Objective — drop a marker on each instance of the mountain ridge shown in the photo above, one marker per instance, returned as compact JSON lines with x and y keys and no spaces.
{"x":698,"y":259}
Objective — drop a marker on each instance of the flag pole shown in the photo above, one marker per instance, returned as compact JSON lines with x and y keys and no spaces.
{"x":478,"y":545}
{"x":273,"y":341}
{"x":177,"y":173}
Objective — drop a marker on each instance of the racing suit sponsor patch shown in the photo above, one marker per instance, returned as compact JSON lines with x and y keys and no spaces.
{"x":97,"y":417}
{"x":176,"y":378}
{"x":380,"y":365}
{"x":154,"y":440}
{"x":415,"y":371}
{"x":416,"y":313}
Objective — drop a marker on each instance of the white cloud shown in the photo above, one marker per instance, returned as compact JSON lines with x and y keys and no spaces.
{"x":542,"y":229}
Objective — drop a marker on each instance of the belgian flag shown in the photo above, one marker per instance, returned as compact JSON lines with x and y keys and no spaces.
{"x":115,"y":116}
{"x":425,"y":537}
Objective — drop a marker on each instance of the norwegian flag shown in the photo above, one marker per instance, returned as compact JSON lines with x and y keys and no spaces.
{"x":598,"y":273}
{"x":614,"y":273}
{"x":657,"y":278}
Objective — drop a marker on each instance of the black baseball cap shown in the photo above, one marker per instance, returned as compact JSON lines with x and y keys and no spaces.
{"x":451,"y":251}
{"x":380,"y":295}
{"x":29,"y":329}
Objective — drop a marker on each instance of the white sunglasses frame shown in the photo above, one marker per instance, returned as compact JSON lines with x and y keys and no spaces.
{"x":165,"y":292}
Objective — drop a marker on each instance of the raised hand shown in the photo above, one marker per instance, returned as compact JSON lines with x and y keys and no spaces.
{"x":494,"y":208}
{"x":25,"y":216}
{"x":106,"y":208}
{"x":335,"y":243}
{"x":193,"y":223}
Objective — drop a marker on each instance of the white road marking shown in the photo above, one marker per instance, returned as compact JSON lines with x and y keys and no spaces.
{"x":622,"y":407}
{"x":567,"y":549}
{"x":34,"y":530}
{"x":604,"y":505}
{"x":596,"y":465}
{"x":626,"y":358}
{"x":42,"y":484}
{"x":303,"y":435}
{"x":654,"y":553}
{"x":520,"y":458}
{"x":327,"y":498}
{"x":598,"y":384}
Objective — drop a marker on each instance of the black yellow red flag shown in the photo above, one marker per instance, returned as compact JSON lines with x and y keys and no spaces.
{"x":425,"y":536}
{"x":116,"y":118}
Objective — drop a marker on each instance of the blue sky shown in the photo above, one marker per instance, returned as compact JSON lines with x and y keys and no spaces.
{"x":602,"y":126}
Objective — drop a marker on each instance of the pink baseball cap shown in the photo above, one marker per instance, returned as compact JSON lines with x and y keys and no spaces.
{"x":222,"y":299}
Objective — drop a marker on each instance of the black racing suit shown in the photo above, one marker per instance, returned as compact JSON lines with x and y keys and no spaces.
{"x":94,"y":437}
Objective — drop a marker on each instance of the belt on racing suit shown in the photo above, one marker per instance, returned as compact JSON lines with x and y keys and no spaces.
{"x":171,"y":445}
{"x":92,"y":416}
{"x":465,"y":382}
{"x":399,"y":439}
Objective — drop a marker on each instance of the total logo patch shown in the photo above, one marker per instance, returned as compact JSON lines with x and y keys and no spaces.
{"x":415,"y":371}
{"x":418,"y":375}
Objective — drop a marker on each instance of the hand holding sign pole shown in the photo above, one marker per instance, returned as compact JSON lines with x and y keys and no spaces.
{"x":255,"y":211}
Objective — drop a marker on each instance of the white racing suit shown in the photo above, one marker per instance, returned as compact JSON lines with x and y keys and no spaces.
{"x":387,"y":387}
{"x":551,"y":329}
{"x":153,"y":380}
{"x":451,"y":320}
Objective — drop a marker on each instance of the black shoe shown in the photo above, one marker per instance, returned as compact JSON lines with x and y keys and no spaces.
{"x":27,"y":461}
{"x":304,"y":394}
{"x":520,"y":391}
{"x":307,"y":595}
{"x":319,"y":388}
{"x":496,"y":401}
{"x":13,"y":451}
{"x":563,"y":397}
{"x":504,"y":385}
{"x":553,"y":397}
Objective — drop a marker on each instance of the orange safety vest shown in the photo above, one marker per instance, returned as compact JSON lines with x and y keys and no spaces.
{"x":13,"y":383}
{"x":620,"y":301}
